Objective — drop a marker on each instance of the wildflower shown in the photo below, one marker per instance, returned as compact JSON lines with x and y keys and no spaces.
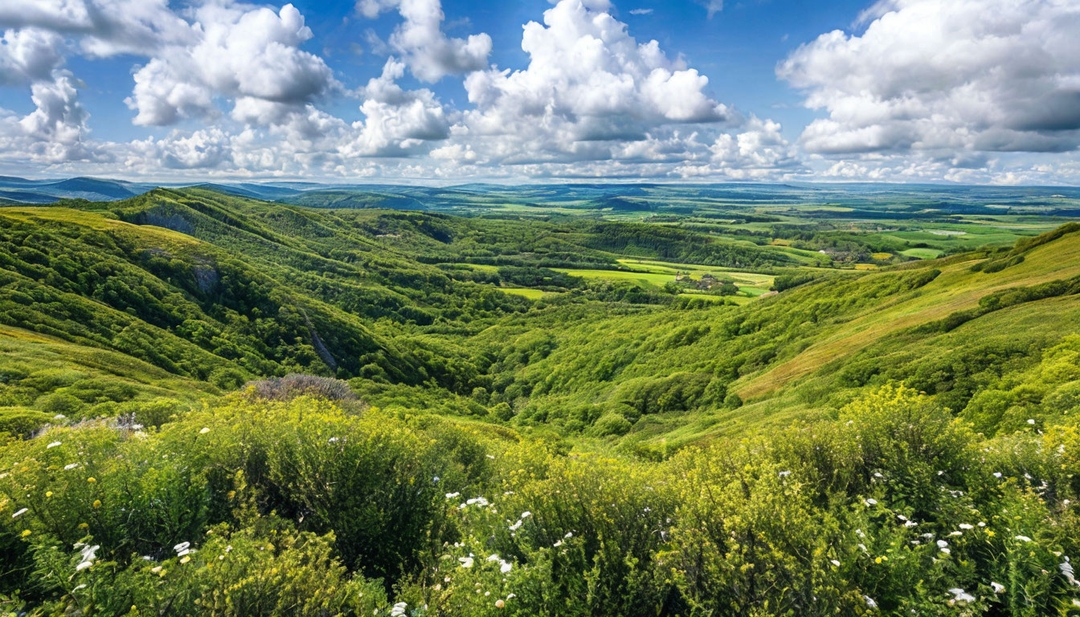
{"x":26,"y":533}
{"x":997,"y":474}
{"x":966,"y":527}
{"x":89,"y":553}
{"x":399,"y":609}
{"x":526,"y":514}
{"x":185,"y":559}
{"x":835,"y":562}
{"x":333,"y":440}
{"x":53,"y":445}
{"x":452,"y":495}
{"x":784,"y":474}
{"x":569,"y":535}
{"x":205,"y":430}
{"x":1023,"y":538}
{"x":516,"y":525}
{"x":70,"y":467}
{"x":511,"y":596}
{"x":1067,"y":571}
{"x":878,"y":475}
{"x":870,"y":502}
{"x":59,"y":416}
{"x":20,"y":513}
{"x":557,"y":544}
{"x":97,"y":504}
{"x":499,"y":603}
{"x":956,"y":533}
{"x":960,"y":596}
{"x":505,"y":566}
{"x":182,"y":549}
{"x":870,"y":602}
{"x":48,"y":494}
{"x":1031,"y":421}
{"x":493,"y":557}
{"x":997,"y":587}
{"x":91,"y":480}
{"x":83,"y":586}
{"x":942,"y":543}
{"x":466,"y":562}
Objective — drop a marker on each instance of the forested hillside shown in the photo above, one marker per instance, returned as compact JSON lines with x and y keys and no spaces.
{"x":216,"y":405}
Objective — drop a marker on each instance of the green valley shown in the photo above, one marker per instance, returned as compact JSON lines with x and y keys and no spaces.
{"x":581,"y":400}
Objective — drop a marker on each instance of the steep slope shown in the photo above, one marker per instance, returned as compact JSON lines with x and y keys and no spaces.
{"x":687,"y":374}
{"x":217,"y":314}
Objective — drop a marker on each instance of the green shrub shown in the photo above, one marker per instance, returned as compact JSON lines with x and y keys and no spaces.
{"x":60,"y":403}
{"x":611,"y":424}
{"x":22,"y":422}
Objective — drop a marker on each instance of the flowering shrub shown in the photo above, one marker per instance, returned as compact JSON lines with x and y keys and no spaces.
{"x":293,"y":385}
{"x":256,"y":507}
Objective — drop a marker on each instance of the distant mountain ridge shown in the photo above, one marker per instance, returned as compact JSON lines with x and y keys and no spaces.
{"x":25,"y":191}
{"x":478,"y":197}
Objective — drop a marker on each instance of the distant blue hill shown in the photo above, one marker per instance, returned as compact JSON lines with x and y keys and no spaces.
{"x":865,"y":200}
{"x":50,"y":191}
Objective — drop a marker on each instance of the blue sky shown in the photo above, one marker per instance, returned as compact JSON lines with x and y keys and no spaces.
{"x":430,"y":91}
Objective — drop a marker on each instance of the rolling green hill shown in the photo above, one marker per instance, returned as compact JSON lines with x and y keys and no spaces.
{"x":343,"y":409}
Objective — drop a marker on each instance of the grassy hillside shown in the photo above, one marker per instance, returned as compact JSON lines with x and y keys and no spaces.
{"x":340,"y":410}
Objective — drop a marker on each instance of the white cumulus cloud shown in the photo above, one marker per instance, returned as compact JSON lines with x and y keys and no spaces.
{"x":588,"y":82}
{"x":29,"y":55}
{"x":56,"y":131}
{"x":398,"y":122}
{"x":107,"y":27}
{"x":242,"y":52}
{"x":923,"y":75}
{"x":428,"y":51}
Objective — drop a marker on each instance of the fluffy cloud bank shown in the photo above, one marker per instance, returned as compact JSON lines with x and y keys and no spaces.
{"x":588,"y":82}
{"x":430,"y":54}
{"x":241,"y":53}
{"x":924,"y":90}
{"x":55,"y":131}
{"x":945,"y":75}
